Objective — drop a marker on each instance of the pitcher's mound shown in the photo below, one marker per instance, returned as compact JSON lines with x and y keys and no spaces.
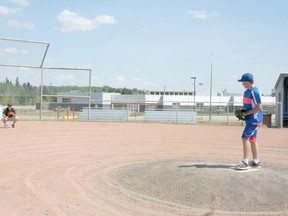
{"x":208,"y":185}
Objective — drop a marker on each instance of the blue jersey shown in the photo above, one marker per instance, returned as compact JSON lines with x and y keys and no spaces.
{"x":251,"y":98}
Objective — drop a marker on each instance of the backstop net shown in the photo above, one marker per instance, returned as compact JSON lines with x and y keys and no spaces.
{"x":20,"y":64}
{"x":35,"y":90}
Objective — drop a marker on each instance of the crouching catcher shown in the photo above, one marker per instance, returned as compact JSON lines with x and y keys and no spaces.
{"x":9,"y":114}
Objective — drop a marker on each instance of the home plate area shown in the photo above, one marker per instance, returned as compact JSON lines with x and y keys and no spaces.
{"x":208,"y":185}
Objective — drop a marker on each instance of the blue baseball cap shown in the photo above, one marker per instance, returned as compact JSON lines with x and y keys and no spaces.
{"x":247,"y":77}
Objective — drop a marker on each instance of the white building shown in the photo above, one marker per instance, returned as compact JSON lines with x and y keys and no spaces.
{"x":158,"y":101}
{"x":281,"y":92}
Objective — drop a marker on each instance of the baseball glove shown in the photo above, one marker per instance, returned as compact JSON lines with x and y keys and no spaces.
{"x":239,"y":115}
{"x":10,"y":114}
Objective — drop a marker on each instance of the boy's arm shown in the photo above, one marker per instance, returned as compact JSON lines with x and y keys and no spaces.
{"x":14,"y":111}
{"x":254,"y":110}
{"x":4,"y":113}
{"x":256,"y":94}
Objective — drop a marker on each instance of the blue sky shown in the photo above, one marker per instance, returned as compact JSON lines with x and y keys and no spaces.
{"x":148,"y":44}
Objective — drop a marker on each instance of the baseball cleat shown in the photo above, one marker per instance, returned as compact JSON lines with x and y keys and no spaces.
{"x":242,"y":166}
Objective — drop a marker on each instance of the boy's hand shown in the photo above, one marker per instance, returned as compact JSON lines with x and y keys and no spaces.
{"x":10,"y":114}
{"x":239,"y":114}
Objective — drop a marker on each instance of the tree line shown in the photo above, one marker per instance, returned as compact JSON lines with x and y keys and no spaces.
{"x":28,"y":94}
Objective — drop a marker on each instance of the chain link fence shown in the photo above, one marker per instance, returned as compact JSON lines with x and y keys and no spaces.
{"x":217,"y":113}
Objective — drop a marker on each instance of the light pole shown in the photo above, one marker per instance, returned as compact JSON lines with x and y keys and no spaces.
{"x":211,"y":74}
{"x":194,"y":93}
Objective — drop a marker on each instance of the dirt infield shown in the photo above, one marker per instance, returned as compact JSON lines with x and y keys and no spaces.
{"x":128,"y":169}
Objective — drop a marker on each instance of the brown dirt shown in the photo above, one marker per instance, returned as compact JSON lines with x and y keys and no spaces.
{"x":128,"y":169}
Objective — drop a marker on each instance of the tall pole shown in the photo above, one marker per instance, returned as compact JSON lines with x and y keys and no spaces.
{"x":41,"y":66}
{"x":211,"y":74}
{"x":41,"y":95}
{"x":90,"y":93}
{"x":194,"y":92}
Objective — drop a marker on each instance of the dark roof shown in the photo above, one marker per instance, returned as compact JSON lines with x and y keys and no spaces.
{"x":281,"y":76}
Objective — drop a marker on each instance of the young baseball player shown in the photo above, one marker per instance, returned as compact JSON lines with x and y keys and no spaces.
{"x":253,"y":119}
{"x":9,"y":114}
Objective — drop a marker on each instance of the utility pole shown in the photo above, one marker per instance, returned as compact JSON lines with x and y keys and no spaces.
{"x":194,"y":92}
{"x":211,"y":74}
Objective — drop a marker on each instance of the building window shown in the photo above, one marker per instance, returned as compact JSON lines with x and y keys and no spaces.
{"x":66,"y":100}
{"x":199,"y":106}
{"x":175,"y":105}
{"x":220,"y":108}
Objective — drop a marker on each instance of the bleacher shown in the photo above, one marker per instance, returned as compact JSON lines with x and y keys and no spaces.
{"x":171,"y":116}
{"x":104,"y":115}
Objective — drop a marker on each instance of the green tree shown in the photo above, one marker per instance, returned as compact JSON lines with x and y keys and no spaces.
{"x":17,"y":83}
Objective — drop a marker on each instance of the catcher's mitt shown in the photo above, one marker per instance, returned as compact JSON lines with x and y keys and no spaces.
{"x":239,"y":115}
{"x":10,"y":114}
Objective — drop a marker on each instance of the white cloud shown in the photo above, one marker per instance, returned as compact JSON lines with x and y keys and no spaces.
{"x":137,"y":79}
{"x":21,"y":3}
{"x":120,"y":79}
{"x":203,"y":14}
{"x":94,"y":78}
{"x":13,"y":50}
{"x":142,"y":82}
{"x":64,"y":77}
{"x":72,"y":21}
{"x":144,"y":29}
{"x":132,"y":82}
{"x":19,"y":25}
{"x":18,"y":6}
{"x":24,"y":69}
{"x":15,"y":10}
{"x":7,"y":11}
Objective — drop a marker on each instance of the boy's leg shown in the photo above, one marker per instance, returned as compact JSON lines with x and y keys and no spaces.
{"x":245,"y":149}
{"x":4,"y":121}
{"x":254,"y":149}
{"x":246,"y":135}
{"x":244,"y":164}
{"x":255,"y":162}
{"x":14,"y":121}
{"x":254,"y":144}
